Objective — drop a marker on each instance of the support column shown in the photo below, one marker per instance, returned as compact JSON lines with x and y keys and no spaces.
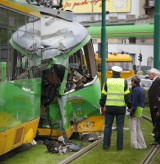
{"x":157,"y":35}
{"x":103,"y":43}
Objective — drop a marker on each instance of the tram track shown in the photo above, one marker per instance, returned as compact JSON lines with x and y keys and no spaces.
{"x":152,"y":153}
{"x":146,"y":118}
{"x":148,"y":158}
{"x":81,"y":152}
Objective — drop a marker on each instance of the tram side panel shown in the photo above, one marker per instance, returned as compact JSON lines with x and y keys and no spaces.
{"x":20,"y":87}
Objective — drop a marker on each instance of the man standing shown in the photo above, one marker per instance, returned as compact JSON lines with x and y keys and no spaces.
{"x":115,"y":96}
{"x":153,"y":94}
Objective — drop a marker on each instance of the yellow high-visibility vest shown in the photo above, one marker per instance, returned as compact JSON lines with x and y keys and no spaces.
{"x":115,"y":92}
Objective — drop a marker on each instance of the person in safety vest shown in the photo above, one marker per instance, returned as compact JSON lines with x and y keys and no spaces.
{"x":114,"y":98}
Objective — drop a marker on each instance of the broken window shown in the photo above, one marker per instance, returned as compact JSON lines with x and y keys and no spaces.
{"x":51,"y":80}
{"x":82,"y":68}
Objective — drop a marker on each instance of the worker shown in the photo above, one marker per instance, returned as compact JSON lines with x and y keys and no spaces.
{"x":114,"y":98}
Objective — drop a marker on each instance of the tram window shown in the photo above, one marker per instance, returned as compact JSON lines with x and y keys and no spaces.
{"x":12,"y":20}
{"x":3,"y":17}
{"x":3,"y":44}
{"x":90,"y":59}
{"x":125,"y":65}
{"x":11,"y":62}
{"x":82,"y":68}
{"x":10,"y":32}
{"x":21,"y":67}
{"x":3,"y":52}
{"x":18,"y":66}
{"x":76,"y":77}
{"x":76,"y":61}
{"x":21,"y":20}
{"x":3,"y":36}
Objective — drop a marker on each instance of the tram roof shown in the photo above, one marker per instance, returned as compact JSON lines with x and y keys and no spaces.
{"x":55,"y":36}
{"x":142,"y":30}
{"x":21,"y":6}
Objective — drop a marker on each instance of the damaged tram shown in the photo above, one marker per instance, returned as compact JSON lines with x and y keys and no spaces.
{"x":70,"y":86}
{"x":50,"y":85}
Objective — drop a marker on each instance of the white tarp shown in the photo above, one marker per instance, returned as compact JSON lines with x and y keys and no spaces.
{"x":54,"y":37}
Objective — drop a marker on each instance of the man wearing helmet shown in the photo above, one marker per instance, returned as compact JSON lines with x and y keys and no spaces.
{"x":114,"y":98}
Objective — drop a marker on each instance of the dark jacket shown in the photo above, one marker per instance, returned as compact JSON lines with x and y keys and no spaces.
{"x":116,"y":109}
{"x":137,"y":97}
{"x":154,"y":92}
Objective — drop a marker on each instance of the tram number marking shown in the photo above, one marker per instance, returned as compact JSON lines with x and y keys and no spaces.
{"x":86,"y":126}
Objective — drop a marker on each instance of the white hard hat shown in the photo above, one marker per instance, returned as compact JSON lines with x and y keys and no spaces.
{"x":116,"y":69}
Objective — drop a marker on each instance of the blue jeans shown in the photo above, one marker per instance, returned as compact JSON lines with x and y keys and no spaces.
{"x":109,"y":118}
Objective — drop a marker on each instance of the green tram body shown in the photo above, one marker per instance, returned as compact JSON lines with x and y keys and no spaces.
{"x":45,"y":93}
{"x":49,"y":83}
{"x":19,"y":98}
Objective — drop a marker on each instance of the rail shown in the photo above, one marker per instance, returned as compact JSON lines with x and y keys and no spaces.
{"x":81,"y":152}
{"x":152,"y":153}
{"x":147,"y":118}
{"x":147,"y":160}
{"x":150,"y":156}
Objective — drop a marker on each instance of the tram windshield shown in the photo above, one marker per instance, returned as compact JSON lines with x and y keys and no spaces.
{"x":124,"y":65}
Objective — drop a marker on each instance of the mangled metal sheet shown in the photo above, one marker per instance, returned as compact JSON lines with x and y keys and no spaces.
{"x":57,"y":36}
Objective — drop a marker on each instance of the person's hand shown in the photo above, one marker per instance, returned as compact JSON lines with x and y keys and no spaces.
{"x":158,"y":114}
{"x":155,"y":107}
{"x":102,"y":110}
{"x":129,"y":110}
